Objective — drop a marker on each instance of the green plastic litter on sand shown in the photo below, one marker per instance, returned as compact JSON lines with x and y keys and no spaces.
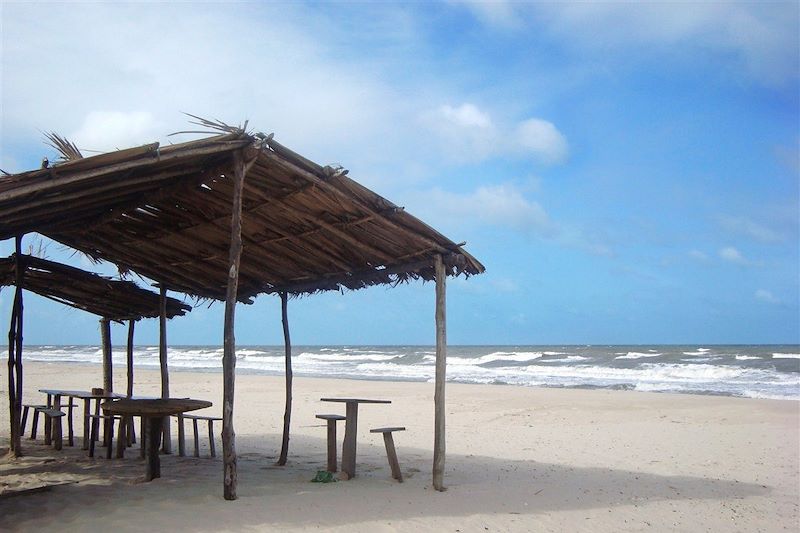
{"x":323,"y":476}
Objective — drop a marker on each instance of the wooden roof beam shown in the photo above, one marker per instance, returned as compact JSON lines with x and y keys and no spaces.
{"x":324,"y":185}
{"x":56,"y":181}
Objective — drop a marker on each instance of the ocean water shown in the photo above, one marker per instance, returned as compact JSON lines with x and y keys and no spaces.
{"x":750,"y":371}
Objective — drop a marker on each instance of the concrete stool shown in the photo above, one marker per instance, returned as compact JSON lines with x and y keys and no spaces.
{"x":391,"y":454}
{"x":34,"y":422}
{"x":332,"y":419}
{"x":194,"y":419}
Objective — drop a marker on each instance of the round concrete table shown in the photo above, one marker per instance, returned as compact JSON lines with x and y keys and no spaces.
{"x":154,"y":412}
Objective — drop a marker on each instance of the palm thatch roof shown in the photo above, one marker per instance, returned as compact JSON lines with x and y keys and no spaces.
{"x":113,"y":299}
{"x":165,"y":213}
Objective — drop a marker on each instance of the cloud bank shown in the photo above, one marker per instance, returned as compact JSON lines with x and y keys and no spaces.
{"x":758,"y":39}
{"x":468,"y":134}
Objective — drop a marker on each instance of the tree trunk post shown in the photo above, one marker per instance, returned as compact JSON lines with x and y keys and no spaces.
{"x":12,"y":381}
{"x":131,"y":326}
{"x":229,"y":339}
{"x":287,"y":414}
{"x":105,"y":339}
{"x":162,"y":358}
{"x":15,"y":354}
{"x":441,"y":366}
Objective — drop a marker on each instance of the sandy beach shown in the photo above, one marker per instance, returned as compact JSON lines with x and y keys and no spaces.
{"x":518,"y":459}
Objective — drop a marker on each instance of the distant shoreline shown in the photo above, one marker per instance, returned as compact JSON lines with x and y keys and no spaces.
{"x":518,"y":345}
{"x":390,"y":379}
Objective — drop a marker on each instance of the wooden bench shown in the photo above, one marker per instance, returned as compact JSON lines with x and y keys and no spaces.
{"x":182,"y":435}
{"x":34,"y":422}
{"x":331,"y":419}
{"x":50,"y":414}
{"x":391,"y":454}
{"x":108,"y":421}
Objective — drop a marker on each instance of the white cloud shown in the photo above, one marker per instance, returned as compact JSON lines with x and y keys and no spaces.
{"x":111,"y":130}
{"x":498,"y":13}
{"x":763,"y":295}
{"x":466,"y":115}
{"x":288,"y":70}
{"x":506,"y":207}
{"x":498,"y":205}
{"x":543,"y":140}
{"x":111,"y":74}
{"x":759,"y":39}
{"x":469,"y":134}
{"x":463,"y":133}
{"x":731,"y":254}
{"x":744,"y":226}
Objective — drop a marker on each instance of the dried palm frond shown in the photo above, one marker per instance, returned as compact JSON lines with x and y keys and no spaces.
{"x":77,"y":253}
{"x":213,"y":125}
{"x":67,"y":149}
{"x":38,"y":248}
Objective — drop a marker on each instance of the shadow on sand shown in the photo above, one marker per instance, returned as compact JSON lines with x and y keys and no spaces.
{"x":112,"y":491}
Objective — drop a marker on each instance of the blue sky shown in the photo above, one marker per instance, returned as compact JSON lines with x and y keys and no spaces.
{"x":628,"y":173}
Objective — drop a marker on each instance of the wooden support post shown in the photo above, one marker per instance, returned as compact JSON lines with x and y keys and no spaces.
{"x":391,"y":454}
{"x":196,"y":438}
{"x":131,"y":325}
{"x":70,"y":432}
{"x":181,"y":436}
{"x":349,"y":442}
{"x":229,"y":340}
{"x":12,"y":389}
{"x":162,"y":358}
{"x":20,"y":272}
{"x":122,"y":438}
{"x":332,"y":466}
{"x":143,"y":441}
{"x":211,"y":449}
{"x":86,"y":423}
{"x":130,"y":432}
{"x":108,"y":373}
{"x":441,"y":365}
{"x":287,"y":413}
{"x":154,"y":425}
{"x":15,"y":355}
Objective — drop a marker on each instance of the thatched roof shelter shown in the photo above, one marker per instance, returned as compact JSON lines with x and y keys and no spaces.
{"x":229,"y":217}
{"x":164,"y":212}
{"x":105,"y":297}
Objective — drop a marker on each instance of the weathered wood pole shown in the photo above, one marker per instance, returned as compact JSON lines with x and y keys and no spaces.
{"x":287,"y":413}
{"x":441,"y":366}
{"x":108,"y":373}
{"x":12,"y":389}
{"x":131,"y":326}
{"x":105,"y":339}
{"x":162,"y":358}
{"x":229,"y":339}
{"x":154,"y":427}
{"x":15,"y":355}
{"x":127,"y":421}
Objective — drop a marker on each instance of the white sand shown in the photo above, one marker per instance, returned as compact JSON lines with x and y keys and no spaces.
{"x":519,"y":459}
